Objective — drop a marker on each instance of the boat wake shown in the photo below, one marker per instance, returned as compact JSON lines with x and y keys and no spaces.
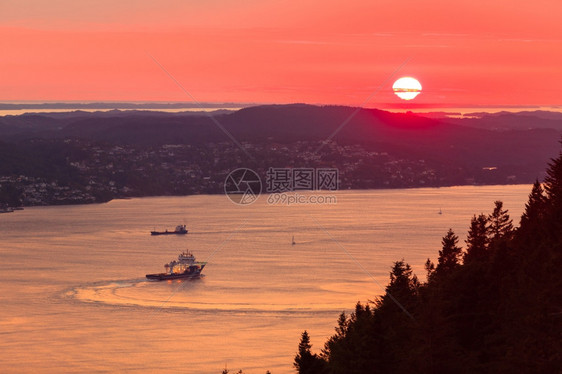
{"x":189,"y":295}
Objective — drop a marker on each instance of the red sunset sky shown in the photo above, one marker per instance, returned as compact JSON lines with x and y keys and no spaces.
{"x":333,"y":52}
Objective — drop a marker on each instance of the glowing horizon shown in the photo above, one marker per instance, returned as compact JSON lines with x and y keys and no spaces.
{"x":266,"y":52}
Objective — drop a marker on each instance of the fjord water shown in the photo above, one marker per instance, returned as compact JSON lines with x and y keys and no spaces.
{"x":74,"y":298}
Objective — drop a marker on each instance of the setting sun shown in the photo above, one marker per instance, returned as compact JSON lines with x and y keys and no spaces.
{"x":407,"y":88}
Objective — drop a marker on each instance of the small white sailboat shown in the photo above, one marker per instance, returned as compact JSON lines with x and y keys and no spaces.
{"x":440,"y":211}
{"x":293,"y":241}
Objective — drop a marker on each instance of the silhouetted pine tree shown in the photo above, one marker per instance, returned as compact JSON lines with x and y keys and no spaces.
{"x":403,"y":284}
{"x":450,"y":255}
{"x":336,"y":350}
{"x":534,"y":208}
{"x":305,"y":361}
{"x":553,"y":181}
{"x":477,"y":239}
{"x":500,"y":225}
{"x":396,"y":310}
{"x":429,"y":267}
{"x":553,"y":190}
{"x":532,"y":220}
{"x":356,"y":346}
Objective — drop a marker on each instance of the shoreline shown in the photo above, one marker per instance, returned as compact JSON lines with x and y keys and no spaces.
{"x":22,"y":207}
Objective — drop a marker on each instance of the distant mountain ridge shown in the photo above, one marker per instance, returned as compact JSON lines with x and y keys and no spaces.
{"x":469,"y":144}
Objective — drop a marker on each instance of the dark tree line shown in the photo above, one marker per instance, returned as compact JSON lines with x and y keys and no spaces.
{"x":493,"y":307}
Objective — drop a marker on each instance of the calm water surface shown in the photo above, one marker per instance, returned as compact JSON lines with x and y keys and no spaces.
{"x":74,"y":298}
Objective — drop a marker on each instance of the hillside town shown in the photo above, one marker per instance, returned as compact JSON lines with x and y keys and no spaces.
{"x":90,"y":172}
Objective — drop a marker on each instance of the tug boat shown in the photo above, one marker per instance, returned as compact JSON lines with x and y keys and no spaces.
{"x":180,"y":230}
{"x":184,"y":267}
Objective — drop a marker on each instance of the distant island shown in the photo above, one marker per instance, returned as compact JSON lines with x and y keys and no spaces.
{"x":86,"y":157}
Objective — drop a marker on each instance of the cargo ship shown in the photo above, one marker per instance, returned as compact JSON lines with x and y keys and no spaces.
{"x":180,"y":230}
{"x":185,"y":267}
